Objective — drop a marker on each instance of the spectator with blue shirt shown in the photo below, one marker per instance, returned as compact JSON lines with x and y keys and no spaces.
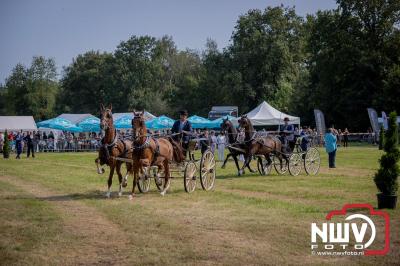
{"x":331,"y":147}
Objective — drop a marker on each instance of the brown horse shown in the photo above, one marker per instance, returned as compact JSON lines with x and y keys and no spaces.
{"x":150,"y":151}
{"x":259,"y":145}
{"x":235,"y":148}
{"x":111,"y":148}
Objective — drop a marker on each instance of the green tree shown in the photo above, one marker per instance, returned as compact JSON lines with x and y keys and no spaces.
{"x":386,"y":177}
{"x":267,"y":51}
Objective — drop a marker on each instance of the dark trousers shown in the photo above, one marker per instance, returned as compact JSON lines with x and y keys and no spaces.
{"x":345,"y":141}
{"x":332,"y":157}
{"x":31,"y":149}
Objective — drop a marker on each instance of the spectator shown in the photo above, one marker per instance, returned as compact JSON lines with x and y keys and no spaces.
{"x":204,"y":142}
{"x":18,"y":145}
{"x":221,"y":141}
{"x":346,"y":137}
{"x":213,"y":141}
{"x":340,"y":137}
{"x":330,"y":147}
{"x":29,"y":142}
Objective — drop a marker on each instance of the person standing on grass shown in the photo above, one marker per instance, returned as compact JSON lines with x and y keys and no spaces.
{"x":213,"y":141}
{"x":331,"y":147}
{"x":29,"y":142}
{"x":221,"y":146}
{"x":346,"y":137}
{"x":18,"y":145}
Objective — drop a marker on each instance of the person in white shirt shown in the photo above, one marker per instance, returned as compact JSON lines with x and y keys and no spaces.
{"x":221,"y":146}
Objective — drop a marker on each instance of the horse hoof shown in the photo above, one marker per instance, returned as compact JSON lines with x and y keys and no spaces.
{"x":223,"y":166}
{"x":131,"y":197}
{"x":119,"y":194}
{"x":162,"y":193}
{"x":108,"y":195}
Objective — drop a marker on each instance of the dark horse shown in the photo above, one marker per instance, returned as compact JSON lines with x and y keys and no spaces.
{"x":112,"y":147}
{"x":259,"y":145}
{"x":235,"y":148}
{"x":151,"y":152}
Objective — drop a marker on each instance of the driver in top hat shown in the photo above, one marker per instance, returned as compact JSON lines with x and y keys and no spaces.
{"x":287,"y":131}
{"x":184,"y":127}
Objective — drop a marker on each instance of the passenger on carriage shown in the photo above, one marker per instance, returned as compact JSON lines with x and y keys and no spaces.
{"x":287,"y":133}
{"x":184,"y":129}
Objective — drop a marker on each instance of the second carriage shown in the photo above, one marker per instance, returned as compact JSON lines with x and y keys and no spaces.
{"x":302,"y":156}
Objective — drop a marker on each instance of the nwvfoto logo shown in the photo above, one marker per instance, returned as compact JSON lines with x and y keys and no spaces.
{"x":337,"y":235}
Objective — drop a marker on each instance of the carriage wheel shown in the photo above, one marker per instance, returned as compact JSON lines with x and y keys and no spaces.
{"x":189,"y":177}
{"x":295,"y":164}
{"x":207,"y":170}
{"x":264,"y":168}
{"x":312,"y":161}
{"x":143,"y":182}
{"x":159,"y":179}
{"x":280,"y":169}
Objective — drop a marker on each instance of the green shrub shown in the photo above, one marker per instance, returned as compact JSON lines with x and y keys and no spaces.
{"x":386,"y":177}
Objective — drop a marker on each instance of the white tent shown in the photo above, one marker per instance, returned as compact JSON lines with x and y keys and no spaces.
{"x":266,"y":115}
{"x":16,"y":123}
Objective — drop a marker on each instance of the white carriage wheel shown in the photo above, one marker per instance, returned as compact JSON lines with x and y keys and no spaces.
{"x":280,"y":169}
{"x":295,"y":164}
{"x":264,"y":168}
{"x":312,"y":161}
{"x":207,"y":170}
{"x":189,"y":177}
{"x":143,"y":182}
{"x":159,"y":179}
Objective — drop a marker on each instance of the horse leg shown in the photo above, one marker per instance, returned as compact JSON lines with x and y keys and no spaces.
{"x":135,"y":176}
{"x":246,"y":162}
{"x":226,"y":160}
{"x":112,"y":167}
{"x":234,"y":156}
{"x":167,"y":173}
{"x":99,"y":170}
{"x":118,"y":168}
{"x":248,"y":166}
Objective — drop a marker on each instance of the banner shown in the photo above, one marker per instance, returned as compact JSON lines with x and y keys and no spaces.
{"x":320,"y":121}
{"x":373,"y":118}
{"x":384,"y":120}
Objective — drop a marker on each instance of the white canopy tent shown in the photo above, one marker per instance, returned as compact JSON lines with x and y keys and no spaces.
{"x":16,"y":123}
{"x":266,"y":115}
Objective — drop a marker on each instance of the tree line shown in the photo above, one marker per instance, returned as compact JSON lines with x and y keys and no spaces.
{"x":341,"y":61}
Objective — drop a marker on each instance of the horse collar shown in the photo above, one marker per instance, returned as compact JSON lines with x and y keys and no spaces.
{"x":144,"y":145}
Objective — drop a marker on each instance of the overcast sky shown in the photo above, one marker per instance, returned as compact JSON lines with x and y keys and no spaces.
{"x":64,"y":29}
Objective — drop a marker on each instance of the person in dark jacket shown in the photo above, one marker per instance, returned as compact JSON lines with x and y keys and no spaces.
{"x":18,"y":145}
{"x":183,"y":130}
{"x":29,"y":142}
{"x":205,"y":141}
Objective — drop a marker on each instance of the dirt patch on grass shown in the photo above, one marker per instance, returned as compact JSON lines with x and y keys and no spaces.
{"x":91,"y":238}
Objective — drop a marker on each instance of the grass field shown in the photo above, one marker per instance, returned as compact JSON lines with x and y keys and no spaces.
{"x":53,"y":212}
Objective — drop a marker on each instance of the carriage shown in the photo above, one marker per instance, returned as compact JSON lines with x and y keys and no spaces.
{"x":191,"y":170}
{"x":301,"y":157}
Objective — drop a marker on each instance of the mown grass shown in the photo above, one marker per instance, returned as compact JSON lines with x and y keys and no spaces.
{"x":250,"y":219}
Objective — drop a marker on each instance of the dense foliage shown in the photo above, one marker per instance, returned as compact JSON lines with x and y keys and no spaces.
{"x":386,"y":177}
{"x":340,"y":61}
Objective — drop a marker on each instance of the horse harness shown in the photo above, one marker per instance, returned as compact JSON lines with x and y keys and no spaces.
{"x":108,"y":147}
{"x":147,"y":144}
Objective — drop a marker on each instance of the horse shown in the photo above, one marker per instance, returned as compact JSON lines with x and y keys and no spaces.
{"x":259,"y":145}
{"x":151,"y":152}
{"x":235,"y":148}
{"x":112,"y":147}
